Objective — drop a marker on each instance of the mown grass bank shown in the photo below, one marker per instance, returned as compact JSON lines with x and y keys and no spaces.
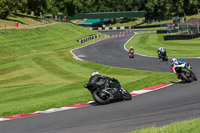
{"x":180,"y":127}
{"x":23,"y":20}
{"x":149,"y":44}
{"x":38,"y":71}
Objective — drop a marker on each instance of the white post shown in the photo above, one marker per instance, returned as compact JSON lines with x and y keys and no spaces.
{"x":178,"y":30}
{"x":197,"y":27}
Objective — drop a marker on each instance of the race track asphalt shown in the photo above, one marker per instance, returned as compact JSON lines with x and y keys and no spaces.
{"x":164,"y":106}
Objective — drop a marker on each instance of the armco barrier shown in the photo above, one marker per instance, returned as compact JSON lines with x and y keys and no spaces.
{"x":180,"y":37}
{"x":89,"y":38}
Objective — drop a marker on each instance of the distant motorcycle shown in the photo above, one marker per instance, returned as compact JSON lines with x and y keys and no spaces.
{"x":113,"y":92}
{"x":185,"y":74}
{"x":131,"y":54}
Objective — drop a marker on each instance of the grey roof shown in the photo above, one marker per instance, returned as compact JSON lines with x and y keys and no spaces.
{"x":192,"y":21}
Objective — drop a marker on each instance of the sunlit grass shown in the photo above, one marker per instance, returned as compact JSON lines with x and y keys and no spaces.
{"x":38,"y":71}
{"x":181,"y":127}
{"x":149,"y":44}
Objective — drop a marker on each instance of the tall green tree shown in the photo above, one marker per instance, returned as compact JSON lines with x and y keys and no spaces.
{"x":15,"y":5}
{"x":37,"y":6}
{"x":4,"y":9}
{"x":53,"y":7}
{"x":193,"y":6}
{"x":68,"y":7}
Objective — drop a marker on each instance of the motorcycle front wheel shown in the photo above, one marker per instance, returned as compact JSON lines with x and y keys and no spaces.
{"x":126,"y":95}
{"x":100,"y":97}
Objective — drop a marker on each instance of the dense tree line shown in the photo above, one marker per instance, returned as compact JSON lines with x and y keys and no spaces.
{"x":70,"y":7}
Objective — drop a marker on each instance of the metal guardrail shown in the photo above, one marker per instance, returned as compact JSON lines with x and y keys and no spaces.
{"x":88,"y":38}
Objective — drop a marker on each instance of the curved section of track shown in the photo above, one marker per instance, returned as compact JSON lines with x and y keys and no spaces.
{"x":171,"y":104}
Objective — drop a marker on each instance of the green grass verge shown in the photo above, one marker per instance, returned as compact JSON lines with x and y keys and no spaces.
{"x":24,"y":20}
{"x":179,"y":127}
{"x":149,"y":44}
{"x":38,"y":71}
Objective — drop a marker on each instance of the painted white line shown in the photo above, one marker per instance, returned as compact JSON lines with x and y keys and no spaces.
{"x":154,"y":56}
{"x":141,"y":91}
{"x":82,"y":56}
{"x":55,"y":110}
{"x":136,"y":53}
{"x":4,"y":119}
{"x":189,"y":58}
{"x":128,"y":41}
{"x":76,"y":57}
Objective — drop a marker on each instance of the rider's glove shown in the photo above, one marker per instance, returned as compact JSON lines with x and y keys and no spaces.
{"x":86,"y":85}
{"x":174,"y":71}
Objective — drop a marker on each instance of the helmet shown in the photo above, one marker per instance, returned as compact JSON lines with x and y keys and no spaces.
{"x":173,"y":59}
{"x":161,"y":48}
{"x":94,"y":73}
{"x":131,"y":47}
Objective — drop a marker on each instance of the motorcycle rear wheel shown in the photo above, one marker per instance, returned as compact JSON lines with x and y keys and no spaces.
{"x":185,"y":78}
{"x":165,"y":58}
{"x":98,"y":99}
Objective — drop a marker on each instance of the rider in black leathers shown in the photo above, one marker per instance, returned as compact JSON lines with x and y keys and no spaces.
{"x":97,"y":79}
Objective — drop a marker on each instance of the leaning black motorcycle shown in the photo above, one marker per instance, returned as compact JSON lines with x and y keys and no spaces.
{"x":185,"y":74}
{"x":114,"y":92}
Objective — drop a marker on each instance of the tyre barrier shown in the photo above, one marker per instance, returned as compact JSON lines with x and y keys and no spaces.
{"x":181,"y":37}
{"x":89,"y":38}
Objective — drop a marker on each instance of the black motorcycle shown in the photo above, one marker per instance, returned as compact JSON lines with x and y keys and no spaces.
{"x":103,"y":95}
{"x":185,"y":74}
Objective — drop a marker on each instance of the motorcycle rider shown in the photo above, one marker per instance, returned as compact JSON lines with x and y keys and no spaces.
{"x":97,"y":79}
{"x":131,"y":49}
{"x":161,"y":51}
{"x":175,"y":62}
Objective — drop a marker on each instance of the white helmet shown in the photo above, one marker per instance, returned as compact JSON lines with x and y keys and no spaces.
{"x":94,"y":73}
{"x":131,"y":47}
{"x":161,"y":48}
{"x":173,"y":59}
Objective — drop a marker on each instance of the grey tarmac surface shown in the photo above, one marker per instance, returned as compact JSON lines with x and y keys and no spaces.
{"x":168,"y":105}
